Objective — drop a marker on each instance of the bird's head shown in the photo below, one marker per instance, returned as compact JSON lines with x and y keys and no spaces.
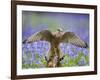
{"x":60,"y":30}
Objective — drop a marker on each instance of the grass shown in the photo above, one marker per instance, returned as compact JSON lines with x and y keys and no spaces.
{"x":68,"y":61}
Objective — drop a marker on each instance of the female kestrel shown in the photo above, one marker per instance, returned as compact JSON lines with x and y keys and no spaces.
{"x":55,"y":39}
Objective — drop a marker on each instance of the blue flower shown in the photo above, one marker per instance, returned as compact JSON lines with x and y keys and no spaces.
{"x":29,"y":62}
{"x":86,"y":52}
{"x":82,"y":62}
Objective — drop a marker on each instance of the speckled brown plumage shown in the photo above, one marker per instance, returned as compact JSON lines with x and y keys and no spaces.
{"x":55,"y":39}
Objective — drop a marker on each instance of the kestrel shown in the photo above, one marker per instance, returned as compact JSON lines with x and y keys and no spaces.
{"x":55,"y":38}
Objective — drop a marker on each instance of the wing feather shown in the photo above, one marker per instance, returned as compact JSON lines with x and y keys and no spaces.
{"x":70,"y":37}
{"x":42,"y":35}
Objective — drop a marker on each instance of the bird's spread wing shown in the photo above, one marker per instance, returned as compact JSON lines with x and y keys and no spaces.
{"x":70,"y":37}
{"x":42,"y":35}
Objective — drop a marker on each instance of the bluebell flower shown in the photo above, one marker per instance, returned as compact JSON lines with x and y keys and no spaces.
{"x":82,"y":62}
{"x":29,"y":62}
{"x":38,"y":62}
{"x":86,"y":52}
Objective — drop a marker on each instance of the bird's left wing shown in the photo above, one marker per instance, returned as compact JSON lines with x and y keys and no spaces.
{"x":70,"y":37}
{"x":45,"y":35}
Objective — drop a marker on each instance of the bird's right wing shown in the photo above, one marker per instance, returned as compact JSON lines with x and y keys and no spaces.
{"x":45,"y":35}
{"x":70,"y":37}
